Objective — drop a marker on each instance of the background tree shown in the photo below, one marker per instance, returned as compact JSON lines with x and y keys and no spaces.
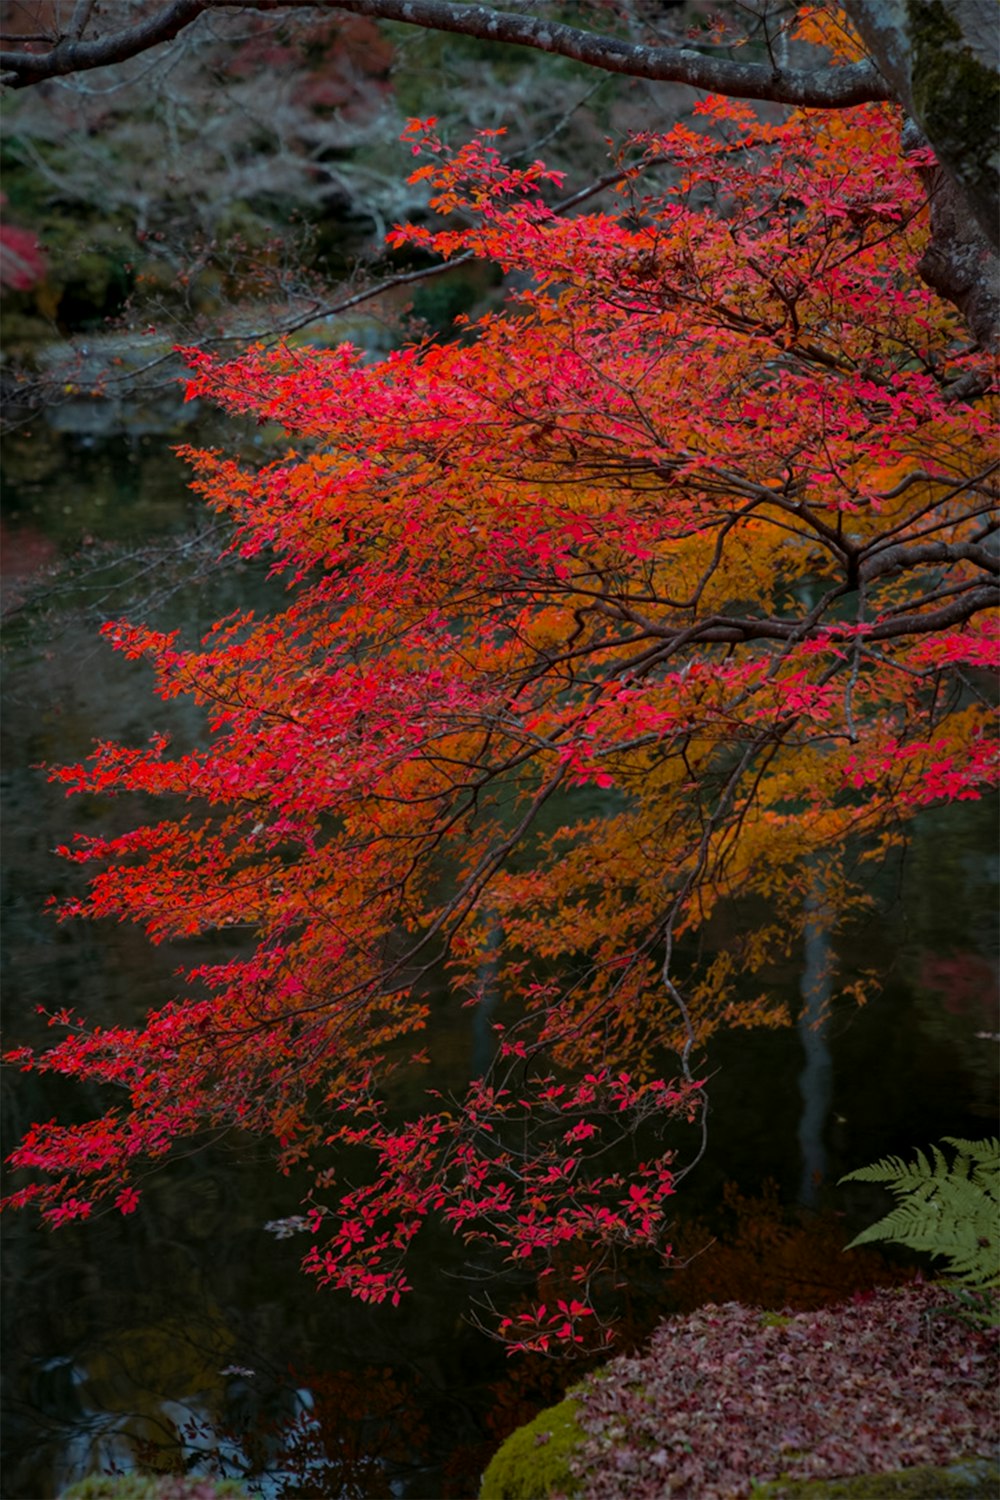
{"x":937,"y":61}
{"x":239,"y":184}
{"x":669,"y":587}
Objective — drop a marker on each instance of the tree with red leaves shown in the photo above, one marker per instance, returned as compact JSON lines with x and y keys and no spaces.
{"x":670,"y":586}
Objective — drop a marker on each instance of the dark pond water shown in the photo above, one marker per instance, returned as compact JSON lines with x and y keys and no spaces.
{"x":186,"y":1333}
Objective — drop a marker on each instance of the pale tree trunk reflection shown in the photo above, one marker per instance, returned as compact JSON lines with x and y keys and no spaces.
{"x":816,"y":1077}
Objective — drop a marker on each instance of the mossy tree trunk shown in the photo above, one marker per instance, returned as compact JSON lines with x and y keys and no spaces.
{"x":940,"y":59}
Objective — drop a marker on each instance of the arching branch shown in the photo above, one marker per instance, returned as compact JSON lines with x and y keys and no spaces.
{"x":821,"y":87}
{"x":73,"y":53}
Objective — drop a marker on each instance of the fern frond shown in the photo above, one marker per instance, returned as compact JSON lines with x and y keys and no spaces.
{"x":985,"y":1156}
{"x":901,"y":1175}
{"x":950,"y":1211}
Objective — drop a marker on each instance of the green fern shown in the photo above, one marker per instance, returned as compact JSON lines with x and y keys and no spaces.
{"x":950,"y":1211}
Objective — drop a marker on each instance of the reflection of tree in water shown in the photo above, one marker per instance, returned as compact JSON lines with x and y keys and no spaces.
{"x":186,"y":1339}
{"x":816,"y":1078}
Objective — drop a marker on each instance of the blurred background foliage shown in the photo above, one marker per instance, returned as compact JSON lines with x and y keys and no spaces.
{"x":230,"y":182}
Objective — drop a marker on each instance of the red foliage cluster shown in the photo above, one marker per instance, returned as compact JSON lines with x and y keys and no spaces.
{"x":22,"y":264}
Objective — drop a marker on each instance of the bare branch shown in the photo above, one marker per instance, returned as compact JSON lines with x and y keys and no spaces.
{"x":21,"y":69}
{"x":821,"y":87}
{"x":78,"y":20}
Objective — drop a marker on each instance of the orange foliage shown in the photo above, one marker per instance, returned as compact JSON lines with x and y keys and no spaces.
{"x":671,"y":583}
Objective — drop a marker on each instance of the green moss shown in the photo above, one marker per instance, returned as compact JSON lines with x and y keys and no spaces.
{"x":975,"y":1480}
{"x":532,"y":1463}
{"x":150,"y":1487}
{"x":956,"y":95}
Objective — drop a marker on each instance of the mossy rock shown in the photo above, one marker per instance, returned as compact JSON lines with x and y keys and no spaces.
{"x":978,"y":1479}
{"x":532,"y":1463}
{"x":153,"y":1487}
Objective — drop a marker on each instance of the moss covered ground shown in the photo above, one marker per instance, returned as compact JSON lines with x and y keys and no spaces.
{"x":153,"y":1487}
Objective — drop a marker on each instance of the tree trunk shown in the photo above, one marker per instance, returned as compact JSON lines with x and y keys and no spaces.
{"x":940,"y":57}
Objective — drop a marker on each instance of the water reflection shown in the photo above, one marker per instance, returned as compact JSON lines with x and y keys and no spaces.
{"x":186,"y":1331}
{"x":816,"y":1078}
